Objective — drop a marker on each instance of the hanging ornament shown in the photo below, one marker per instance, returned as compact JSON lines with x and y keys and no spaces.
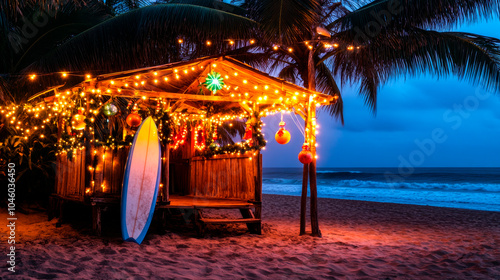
{"x":214,"y":143}
{"x":248,"y":131}
{"x":110,"y":109}
{"x":133,"y":119}
{"x":214,"y":82}
{"x":282,"y":136}
{"x":78,"y":122}
{"x":199,"y":138}
{"x":180,"y":137}
{"x":81,"y":110}
{"x":305,"y":156}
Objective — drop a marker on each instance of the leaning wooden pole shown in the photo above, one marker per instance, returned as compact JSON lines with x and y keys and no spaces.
{"x":312,"y":178}
{"x":303,"y":199}
{"x":165,"y":195}
{"x":311,"y":124}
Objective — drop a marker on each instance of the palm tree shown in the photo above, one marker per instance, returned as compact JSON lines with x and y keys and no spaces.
{"x":366,"y":43}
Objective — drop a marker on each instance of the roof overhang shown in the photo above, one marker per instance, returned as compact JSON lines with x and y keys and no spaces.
{"x":182,"y":83}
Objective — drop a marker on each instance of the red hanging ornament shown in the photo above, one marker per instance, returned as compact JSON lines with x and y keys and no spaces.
{"x":305,"y":156}
{"x":248,"y":130}
{"x":282,"y":136}
{"x":133,"y":119}
{"x":199,"y":138}
{"x":180,"y":137}
{"x":248,"y":133}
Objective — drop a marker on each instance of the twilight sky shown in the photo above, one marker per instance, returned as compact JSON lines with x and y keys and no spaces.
{"x":464,"y":120}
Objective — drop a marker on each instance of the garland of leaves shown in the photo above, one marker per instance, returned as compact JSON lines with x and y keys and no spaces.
{"x":112,"y":132}
{"x":255,"y":144}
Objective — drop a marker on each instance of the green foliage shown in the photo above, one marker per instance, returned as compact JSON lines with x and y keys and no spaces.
{"x":148,"y":36}
{"x":34,"y":160}
{"x":256,"y":143}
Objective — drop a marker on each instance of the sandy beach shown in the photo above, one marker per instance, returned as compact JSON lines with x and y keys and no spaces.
{"x":361,"y":240}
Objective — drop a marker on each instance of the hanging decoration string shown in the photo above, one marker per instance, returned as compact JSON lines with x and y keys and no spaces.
{"x":298,"y":124}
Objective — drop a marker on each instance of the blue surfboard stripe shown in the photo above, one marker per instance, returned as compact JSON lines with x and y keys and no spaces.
{"x":125,"y":234}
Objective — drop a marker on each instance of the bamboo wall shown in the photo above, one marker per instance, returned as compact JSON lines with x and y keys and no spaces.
{"x":224,"y":176}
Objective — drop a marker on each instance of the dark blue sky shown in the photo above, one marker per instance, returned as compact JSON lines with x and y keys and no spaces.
{"x":409,"y":111}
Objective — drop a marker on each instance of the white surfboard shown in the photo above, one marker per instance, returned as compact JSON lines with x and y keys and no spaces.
{"x":141,"y":182}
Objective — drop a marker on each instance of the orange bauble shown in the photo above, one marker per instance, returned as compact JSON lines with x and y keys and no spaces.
{"x":282,"y":136}
{"x":133,"y":119}
{"x":305,"y":156}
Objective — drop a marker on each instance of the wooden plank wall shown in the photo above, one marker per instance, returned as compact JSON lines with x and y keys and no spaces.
{"x":106,"y":178}
{"x":224,"y":176}
{"x":109,"y":171}
{"x":70,"y":175}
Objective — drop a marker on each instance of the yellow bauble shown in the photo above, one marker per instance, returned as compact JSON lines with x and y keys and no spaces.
{"x":78,"y":122}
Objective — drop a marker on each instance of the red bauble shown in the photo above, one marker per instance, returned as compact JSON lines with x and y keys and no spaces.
{"x":305,"y":156}
{"x":282,"y":136}
{"x":133,"y":119}
{"x":248,"y":133}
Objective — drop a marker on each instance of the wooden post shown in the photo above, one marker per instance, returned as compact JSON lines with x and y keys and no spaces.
{"x":165,"y":174}
{"x":312,"y":176}
{"x":311,"y":123}
{"x":88,"y":157}
{"x":303,"y":199}
{"x":258,"y":194}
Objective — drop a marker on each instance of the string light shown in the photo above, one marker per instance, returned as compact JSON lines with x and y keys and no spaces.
{"x":245,"y":86}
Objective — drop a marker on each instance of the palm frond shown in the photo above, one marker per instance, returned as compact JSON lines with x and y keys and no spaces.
{"x":286,"y":21}
{"x":326,"y":83}
{"x":229,"y":130}
{"x":71,"y":20}
{"x":289,"y":73}
{"x":5,"y":94}
{"x":14,"y":10}
{"x":417,"y":13}
{"x":255,"y":57}
{"x":469,"y":56}
{"x":148,"y":36}
{"x":124,"y":6}
{"x":214,"y":4}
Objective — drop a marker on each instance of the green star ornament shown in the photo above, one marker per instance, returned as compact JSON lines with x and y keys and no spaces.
{"x":214,"y":82}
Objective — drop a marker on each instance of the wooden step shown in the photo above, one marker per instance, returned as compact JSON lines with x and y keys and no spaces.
{"x":229,"y":221}
{"x":226,"y":206}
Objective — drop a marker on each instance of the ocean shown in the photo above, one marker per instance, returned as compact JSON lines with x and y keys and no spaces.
{"x":468,"y":188}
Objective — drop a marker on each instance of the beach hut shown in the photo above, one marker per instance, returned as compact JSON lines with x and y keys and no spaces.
{"x":188,"y":101}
